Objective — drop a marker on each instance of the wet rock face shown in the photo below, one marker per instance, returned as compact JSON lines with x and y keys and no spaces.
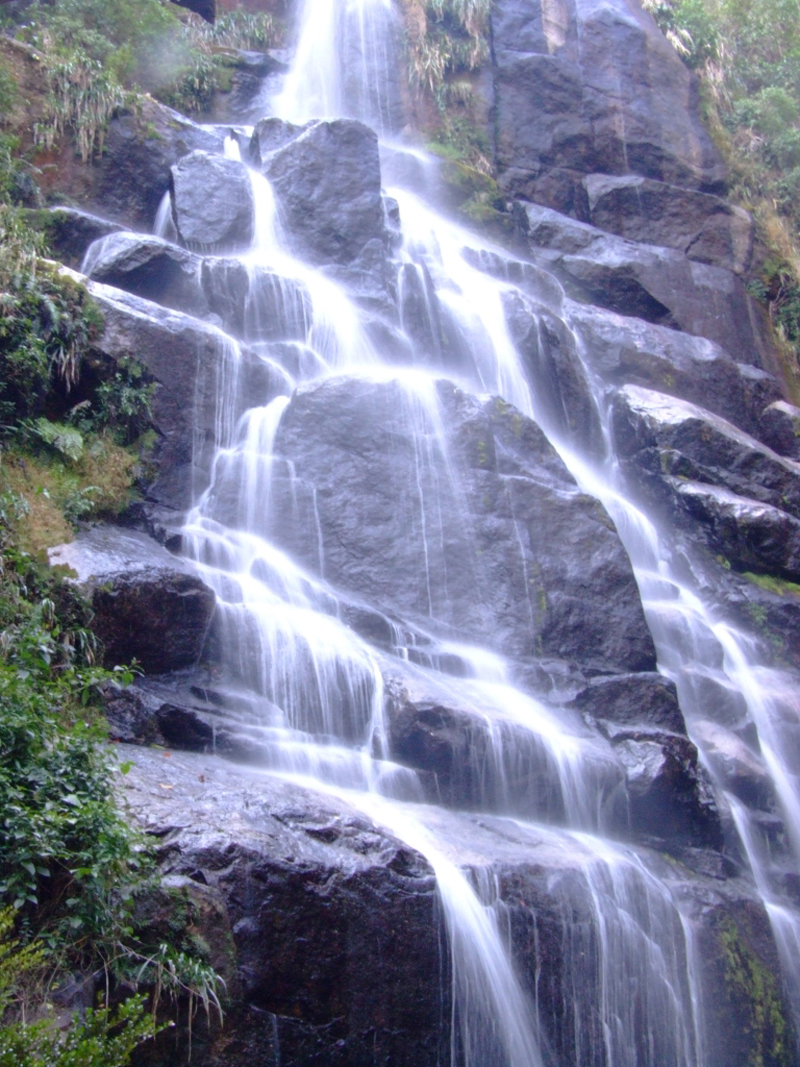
{"x":129,"y":180}
{"x":190,"y":362}
{"x":583,"y":87}
{"x":511,"y":553}
{"x":327,"y":928}
{"x":212,"y":203}
{"x":70,"y":232}
{"x":335,"y":923}
{"x":148,"y":605}
{"x":627,"y":351}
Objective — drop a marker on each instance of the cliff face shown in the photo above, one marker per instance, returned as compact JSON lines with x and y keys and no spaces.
{"x":448,"y":592}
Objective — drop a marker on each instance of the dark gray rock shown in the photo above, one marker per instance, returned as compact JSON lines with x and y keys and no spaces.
{"x":659,"y":285}
{"x":213,"y":206}
{"x":702,"y":226}
{"x":241,"y":99}
{"x":148,"y":605}
{"x":585,"y":87}
{"x":336,"y":932}
{"x":670,"y":795}
{"x":780,"y":428}
{"x":336,"y":928}
{"x":645,"y":699}
{"x":327,"y":181}
{"x":473,"y":757}
{"x":148,"y":267}
{"x":555,"y":370}
{"x":625,"y":351}
{"x":675,"y":438}
{"x":483,"y":532}
{"x":736,"y":765}
{"x":749,"y":535}
{"x":268,"y":136}
{"x":132,"y":175}
{"x":538,"y":284}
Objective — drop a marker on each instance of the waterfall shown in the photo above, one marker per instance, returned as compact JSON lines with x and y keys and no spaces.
{"x":308,"y":688}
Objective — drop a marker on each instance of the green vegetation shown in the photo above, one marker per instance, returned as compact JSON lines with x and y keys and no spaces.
{"x":748,"y":58}
{"x":447,"y":43}
{"x":100,"y":54}
{"x":779,"y":586}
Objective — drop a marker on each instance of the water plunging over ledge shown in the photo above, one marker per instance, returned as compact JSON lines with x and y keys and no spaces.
{"x":311,"y":688}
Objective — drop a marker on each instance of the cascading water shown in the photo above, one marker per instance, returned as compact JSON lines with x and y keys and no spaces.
{"x":308,"y":691}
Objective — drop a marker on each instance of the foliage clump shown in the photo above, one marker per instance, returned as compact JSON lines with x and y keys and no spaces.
{"x":447,"y":43}
{"x":100,"y":54}
{"x":748,"y":58}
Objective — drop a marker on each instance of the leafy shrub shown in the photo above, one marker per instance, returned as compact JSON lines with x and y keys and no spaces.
{"x":102,"y":1038}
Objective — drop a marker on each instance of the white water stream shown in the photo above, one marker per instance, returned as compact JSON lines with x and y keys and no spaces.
{"x":311,"y":690}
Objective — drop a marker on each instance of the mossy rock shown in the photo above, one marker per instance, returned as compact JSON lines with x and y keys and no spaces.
{"x":748,"y":1019}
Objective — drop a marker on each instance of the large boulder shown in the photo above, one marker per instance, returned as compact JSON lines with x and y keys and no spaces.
{"x":148,"y":267}
{"x":780,"y":428}
{"x":70,"y":232}
{"x":474,"y":750}
{"x":735,"y":494}
{"x":555,"y":370}
{"x":660,"y":285}
{"x":744,"y":533}
{"x":702,"y":226}
{"x":591,"y":86}
{"x":336,"y":938}
{"x":327,"y":180}
{"x":213,"y":205}
{"x":457,"y":511}
{"x":645,"y":700}
{"x":148,"y":605}
{"x":255,"y":302}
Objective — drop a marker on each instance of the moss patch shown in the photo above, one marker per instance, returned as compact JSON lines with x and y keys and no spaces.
{"x":779,"y":586}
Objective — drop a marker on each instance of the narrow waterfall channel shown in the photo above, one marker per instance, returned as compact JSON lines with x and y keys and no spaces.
{"x":311,"y":634}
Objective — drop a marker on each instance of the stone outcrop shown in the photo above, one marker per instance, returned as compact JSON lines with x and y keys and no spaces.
{"x":627,"y":351}
{"x":335,"y":923}
{"x":189,"y":361}
{"x":148,"y":267}
{"x":148,"y":605}
{"x":586,"y":87}
{"x":327,"y":181}
{"x":705,"y":228}
{"x":744,"y":498}
{"x":659,"y":285}
{"x":71,"y":231}
{"x":213,"y":206}
{"x":326,"y":927}
{"x":512,"y":554}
